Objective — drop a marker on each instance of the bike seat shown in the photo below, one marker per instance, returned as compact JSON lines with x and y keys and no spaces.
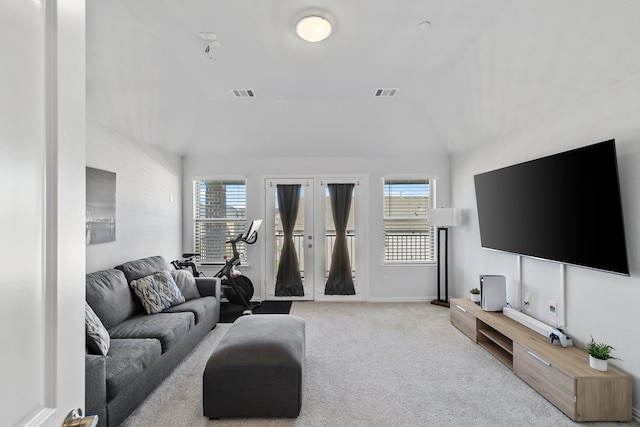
{"x":189,"y":255}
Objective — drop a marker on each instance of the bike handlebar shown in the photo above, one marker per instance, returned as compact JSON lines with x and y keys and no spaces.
{"x":249,"y":240}
{"x":236,"y":240}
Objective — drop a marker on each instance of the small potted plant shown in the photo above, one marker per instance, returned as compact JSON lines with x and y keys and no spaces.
{"x":475,"y":294}
{"x":599,"y":354}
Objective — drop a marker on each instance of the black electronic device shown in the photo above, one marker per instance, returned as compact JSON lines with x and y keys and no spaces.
{"x":565,"y":207}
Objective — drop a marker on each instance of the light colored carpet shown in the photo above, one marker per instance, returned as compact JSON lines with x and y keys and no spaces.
{"x":374,"y":364}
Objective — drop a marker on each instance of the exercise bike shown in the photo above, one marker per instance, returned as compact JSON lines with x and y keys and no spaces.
{"x":237,"y":288}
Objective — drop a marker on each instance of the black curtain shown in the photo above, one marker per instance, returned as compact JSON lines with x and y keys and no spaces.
{"x":288,"y":280}
{"x":340,"y":281}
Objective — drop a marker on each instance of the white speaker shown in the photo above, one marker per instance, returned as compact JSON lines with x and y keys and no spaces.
{"x":493,"y":292}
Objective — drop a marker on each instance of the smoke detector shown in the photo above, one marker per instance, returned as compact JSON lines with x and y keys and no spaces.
{"x":211,"y":41}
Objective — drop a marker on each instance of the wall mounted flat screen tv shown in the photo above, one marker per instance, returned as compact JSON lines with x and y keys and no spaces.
{"x":565,"y":207}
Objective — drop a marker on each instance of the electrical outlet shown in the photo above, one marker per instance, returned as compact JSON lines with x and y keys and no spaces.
{"x":385,"y":280}
{"x":553,"y":308}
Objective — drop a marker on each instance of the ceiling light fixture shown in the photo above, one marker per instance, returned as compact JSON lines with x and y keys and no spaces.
{"x":313,"y":28}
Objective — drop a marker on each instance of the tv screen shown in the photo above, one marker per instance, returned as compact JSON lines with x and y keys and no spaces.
{"x":565,"y":207}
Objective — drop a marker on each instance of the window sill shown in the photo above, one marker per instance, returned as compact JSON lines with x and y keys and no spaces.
{"x":394,"y":264}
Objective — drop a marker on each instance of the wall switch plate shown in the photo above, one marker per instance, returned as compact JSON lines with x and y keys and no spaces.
{"x":553,"y":308}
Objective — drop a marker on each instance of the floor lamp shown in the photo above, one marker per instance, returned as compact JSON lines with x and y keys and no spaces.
{"x":442,"y":219}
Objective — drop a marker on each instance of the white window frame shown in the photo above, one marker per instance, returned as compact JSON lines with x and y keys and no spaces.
{"x":431,"y":181}
{"x":241,"y":221}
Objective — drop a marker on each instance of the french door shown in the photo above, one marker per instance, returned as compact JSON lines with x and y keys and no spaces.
{"x":299,"y":215}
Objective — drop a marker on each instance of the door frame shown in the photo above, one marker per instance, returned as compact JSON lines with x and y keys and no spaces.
{"x":319,"y":182}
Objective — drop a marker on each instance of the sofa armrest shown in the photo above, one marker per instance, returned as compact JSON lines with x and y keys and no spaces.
{"x":95,"y":385}
{"x":209,"y":286}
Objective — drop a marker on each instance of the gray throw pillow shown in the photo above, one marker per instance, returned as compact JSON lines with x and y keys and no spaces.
{"x":98,"y":339}
{"x":157,"y":291}
{"x":186,"y":283}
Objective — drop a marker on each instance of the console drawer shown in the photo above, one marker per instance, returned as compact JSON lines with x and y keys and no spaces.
{"x":555,"y":385}
{"x":464,"y":320}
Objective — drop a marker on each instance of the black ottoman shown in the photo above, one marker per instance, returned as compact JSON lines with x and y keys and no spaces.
{"x":257,"y":369}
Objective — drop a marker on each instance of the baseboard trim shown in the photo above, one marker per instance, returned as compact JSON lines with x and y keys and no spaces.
{"x":400,"y":299}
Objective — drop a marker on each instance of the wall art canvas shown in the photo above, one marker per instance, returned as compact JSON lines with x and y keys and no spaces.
{"x":101,"y":206}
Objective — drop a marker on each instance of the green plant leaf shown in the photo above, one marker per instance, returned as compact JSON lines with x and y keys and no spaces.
{"x":600,"y":350}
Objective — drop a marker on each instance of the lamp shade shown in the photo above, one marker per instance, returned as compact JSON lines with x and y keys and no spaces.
{"x":444,"y":217}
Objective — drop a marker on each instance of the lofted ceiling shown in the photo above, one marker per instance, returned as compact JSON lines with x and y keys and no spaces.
{"x":481,"y":70}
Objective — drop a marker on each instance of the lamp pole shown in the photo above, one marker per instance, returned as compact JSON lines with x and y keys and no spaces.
{"x":442,"y":219}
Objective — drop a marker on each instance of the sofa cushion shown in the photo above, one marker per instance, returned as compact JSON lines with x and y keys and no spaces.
{"x":157,"y":291}
{"x":126,"y":362}
{"x":97,"y":337}
{"x":110,"y":297}
{"x":143,"y":267}
{"x":186,"y":283}
{"x":168,"y":328}
{"x":200,"y":307}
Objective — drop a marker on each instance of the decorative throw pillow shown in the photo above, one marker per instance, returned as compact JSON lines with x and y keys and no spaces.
{"x":157,"y":291}
{"x":186,"y":283}
{"x":98,"y":339}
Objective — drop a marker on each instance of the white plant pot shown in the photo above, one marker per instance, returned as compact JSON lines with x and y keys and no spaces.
{"x":599,"y":364}
{"x":475,"y":297}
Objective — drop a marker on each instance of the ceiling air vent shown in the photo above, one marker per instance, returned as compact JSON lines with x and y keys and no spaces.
{"x":243,"y":93}
{"x":385,"y":92}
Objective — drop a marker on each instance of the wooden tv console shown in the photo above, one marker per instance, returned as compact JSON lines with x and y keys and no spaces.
{"x":561,"y":374}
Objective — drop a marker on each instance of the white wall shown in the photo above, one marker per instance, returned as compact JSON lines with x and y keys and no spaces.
{"x":600,"y":304}
{"x":417,"y":283}
{"x":148,"y":199}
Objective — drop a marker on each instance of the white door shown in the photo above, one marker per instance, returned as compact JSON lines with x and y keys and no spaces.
{"x":42,"y":162}
{"x":303,"y":237}
{"x":314,"y":236}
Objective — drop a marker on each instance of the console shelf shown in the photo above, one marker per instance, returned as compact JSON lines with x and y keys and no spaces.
{"x":496,"y":343}
{"x":562,"y":375}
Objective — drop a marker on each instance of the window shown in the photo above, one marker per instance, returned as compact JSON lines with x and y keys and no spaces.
{"x":219,"y":214}
{"x":407,"y":235}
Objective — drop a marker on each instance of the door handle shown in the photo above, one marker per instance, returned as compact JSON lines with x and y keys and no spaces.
{"x":75,"y":419}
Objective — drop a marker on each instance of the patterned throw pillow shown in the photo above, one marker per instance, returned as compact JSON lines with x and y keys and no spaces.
{"x":157,"y":291}
{"x":98,"y":339}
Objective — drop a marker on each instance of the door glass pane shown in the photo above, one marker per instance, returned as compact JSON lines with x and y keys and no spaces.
{"x":330,"y":234}
{"x":298,"y":233}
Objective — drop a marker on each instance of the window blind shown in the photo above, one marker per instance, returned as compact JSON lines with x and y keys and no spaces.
{"x":407,"y":234}
{"x":220,"y":213}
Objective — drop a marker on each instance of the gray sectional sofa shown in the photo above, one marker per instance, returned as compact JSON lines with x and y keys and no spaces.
{"x":140,"y":349}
